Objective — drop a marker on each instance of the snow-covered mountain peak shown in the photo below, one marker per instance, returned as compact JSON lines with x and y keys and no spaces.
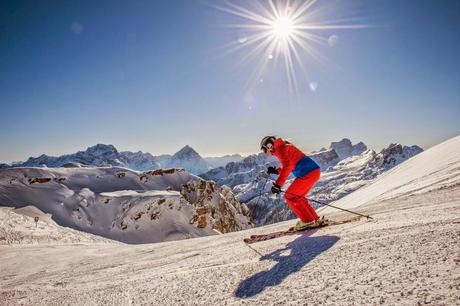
{"x":188,"y":159}
{"x":187,"y":153}
{"x":395,"y":153}
{"x":344,"y":148}
{"x":100,"y":149}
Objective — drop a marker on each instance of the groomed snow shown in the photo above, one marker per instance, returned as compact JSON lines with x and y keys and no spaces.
{"x":408,"y":255}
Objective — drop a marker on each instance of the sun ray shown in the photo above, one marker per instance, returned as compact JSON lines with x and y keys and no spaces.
{"x":284,"y":32}
{"x":302,"y":9}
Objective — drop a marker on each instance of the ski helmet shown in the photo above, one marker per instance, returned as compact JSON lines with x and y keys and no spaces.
{"x":267,"y":143}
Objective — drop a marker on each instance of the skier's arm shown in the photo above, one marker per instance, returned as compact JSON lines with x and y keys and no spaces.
{"x":285,"y":169}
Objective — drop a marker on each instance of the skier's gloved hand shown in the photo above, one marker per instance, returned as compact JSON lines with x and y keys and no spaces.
{"x":276,"y":189}
{"x":272,"y":170}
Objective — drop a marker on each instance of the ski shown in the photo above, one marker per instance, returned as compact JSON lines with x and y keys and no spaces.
{"x":291,"y":231}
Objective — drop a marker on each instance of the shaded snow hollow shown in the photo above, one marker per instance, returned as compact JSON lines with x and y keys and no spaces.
{"x":408,"y":255}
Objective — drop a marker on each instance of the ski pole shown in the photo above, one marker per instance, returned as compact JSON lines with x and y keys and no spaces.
{"x":336,"y":207}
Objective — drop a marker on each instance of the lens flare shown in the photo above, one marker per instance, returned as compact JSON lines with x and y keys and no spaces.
{"x":281,"y":31}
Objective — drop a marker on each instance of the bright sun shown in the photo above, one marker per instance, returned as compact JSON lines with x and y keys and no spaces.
{"x":283,"y":27}
{"x":283,"y":31}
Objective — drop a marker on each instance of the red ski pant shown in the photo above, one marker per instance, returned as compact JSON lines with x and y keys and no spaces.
{"x":295,"y":196}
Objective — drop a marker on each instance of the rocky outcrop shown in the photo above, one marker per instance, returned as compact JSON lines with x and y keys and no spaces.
{"x":216,"y":207}
{"x":344,"y":148}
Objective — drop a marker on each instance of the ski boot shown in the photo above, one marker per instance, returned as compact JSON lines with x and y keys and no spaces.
{"x":301,"y":226}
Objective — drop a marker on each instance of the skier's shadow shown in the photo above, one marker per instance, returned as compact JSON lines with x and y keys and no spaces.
{"x":302,"y":251}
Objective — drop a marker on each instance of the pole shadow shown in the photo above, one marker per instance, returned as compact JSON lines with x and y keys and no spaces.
{"x":302,"y":251}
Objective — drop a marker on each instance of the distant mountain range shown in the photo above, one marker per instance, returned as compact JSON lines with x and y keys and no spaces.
{"x":102,"y":155}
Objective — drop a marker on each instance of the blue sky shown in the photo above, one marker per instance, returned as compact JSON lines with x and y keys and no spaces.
{"x":152,"y":76}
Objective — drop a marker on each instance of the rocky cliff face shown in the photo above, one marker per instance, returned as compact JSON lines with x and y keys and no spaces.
{"x":344,"y":148}
{"x":216,"y":207}
{"x":139,"y":160}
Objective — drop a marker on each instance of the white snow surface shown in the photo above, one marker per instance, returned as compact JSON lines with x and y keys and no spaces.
{"x":18,"y":226}
{"x":437,"y":167}
{"x":409,"y":255}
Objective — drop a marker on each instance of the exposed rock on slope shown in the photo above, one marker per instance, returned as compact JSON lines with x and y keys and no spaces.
{"x":125,"y":205}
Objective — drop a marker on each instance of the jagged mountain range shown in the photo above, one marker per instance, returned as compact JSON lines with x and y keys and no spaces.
{"x":107,"y":155}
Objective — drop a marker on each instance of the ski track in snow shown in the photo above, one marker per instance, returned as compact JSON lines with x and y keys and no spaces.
{"x":409,"y":254}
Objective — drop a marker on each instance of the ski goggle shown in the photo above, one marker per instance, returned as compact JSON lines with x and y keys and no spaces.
{"x":267,"y":147}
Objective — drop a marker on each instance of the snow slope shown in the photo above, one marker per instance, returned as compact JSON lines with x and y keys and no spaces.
{"x":409,"y":255}
{"x":126,"y":205}
{"x":17,"y":226}
{"x":437,"y":167}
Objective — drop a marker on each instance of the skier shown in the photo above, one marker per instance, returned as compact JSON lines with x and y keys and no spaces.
{"x":306,"y":171}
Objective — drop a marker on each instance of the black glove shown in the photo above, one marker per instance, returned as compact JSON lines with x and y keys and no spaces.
{"x":272,"y":170}
{"x":276,"y":189}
